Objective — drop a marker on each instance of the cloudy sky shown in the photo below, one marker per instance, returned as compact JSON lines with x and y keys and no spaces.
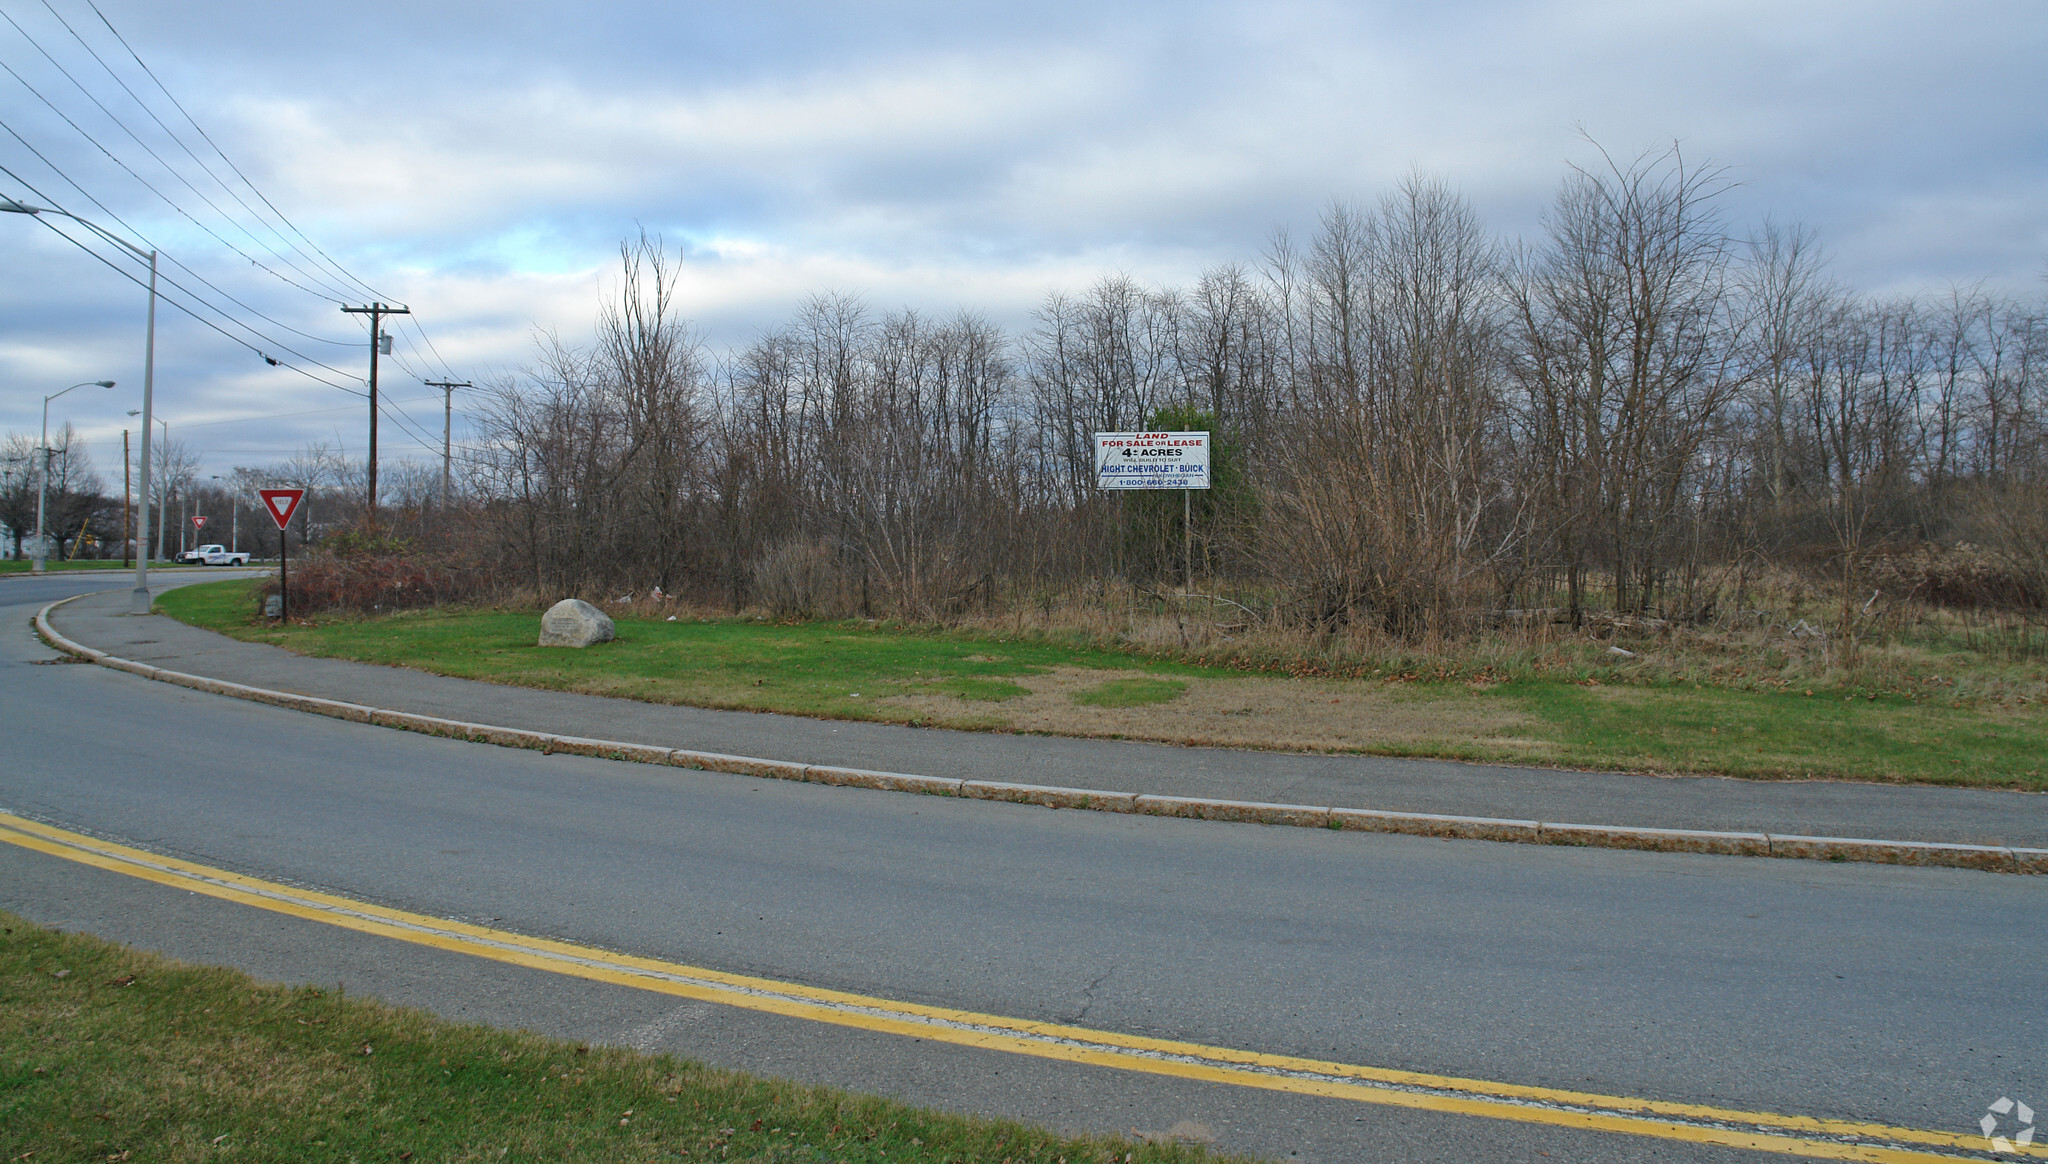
{"x":481,"y":162}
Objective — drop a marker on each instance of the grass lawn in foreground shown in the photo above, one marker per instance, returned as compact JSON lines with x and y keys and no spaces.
{"x":108,"y":1053}
{"x":853,"y":670}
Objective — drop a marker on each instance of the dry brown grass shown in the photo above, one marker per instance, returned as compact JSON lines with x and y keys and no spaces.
{"x":1253,"y":712}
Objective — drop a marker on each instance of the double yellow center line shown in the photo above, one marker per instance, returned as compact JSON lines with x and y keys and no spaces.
{"x":1761,"y":1131}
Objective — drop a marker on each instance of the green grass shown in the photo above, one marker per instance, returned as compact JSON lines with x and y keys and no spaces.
{"x":107,"y":1053}
{"x":1130,"y":693}
{"x":823,"y":669}
{"x":1790,"y":734}
{"x":867,"y":671}
{"x":24,"y":565}
{"x":225,"y":606}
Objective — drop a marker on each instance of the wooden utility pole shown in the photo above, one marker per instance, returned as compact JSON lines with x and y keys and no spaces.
{"x":447,"y":388}
{"x":376,"y":312}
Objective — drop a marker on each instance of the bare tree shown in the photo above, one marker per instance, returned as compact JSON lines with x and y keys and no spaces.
{"x":175,"y":473}
{"x":1380,"y":503}
{"x":1626,"y":350}
{"x":20,"y":463}
{"x":1411,"y":422}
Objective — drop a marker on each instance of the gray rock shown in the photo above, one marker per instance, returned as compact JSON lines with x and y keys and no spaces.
{"x":573,"y":622}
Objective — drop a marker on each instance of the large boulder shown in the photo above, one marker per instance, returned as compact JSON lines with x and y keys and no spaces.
{"x":573,"y":622}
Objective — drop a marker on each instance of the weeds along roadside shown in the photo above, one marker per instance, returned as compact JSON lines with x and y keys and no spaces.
{"x":997,"y":680}
{"x":1787,"y":638}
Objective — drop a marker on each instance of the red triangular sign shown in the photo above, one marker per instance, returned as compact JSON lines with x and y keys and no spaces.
{"x":198,"y":521}
{"x":282,"y":503}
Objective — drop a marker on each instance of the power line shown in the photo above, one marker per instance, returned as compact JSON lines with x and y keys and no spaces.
{"x":31,"y":187}
{"x":194,"y":123}
{"x":193,"y":302}
{"x":146,"y":183}
{"x":284,"y":415}
{"x":179,"y":141}
{"x":195,"y":316}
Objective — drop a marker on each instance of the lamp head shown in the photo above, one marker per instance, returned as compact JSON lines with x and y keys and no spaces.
{"x":104,"y":383}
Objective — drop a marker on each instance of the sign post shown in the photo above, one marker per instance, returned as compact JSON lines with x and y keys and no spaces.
{"x":280,"y":504}
{"x":1158,"y":460}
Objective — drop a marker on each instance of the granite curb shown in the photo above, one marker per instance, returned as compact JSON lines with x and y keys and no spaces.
{"x":2001,"y":859}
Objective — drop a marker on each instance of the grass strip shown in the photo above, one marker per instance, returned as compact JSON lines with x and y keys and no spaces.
{"x":108,"y":1053}
{"x":953,"y":679}
{"x":25,"y":566}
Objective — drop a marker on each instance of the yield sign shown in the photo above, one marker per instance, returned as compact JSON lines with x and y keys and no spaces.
{"x":198,"y":521}
{"x":282,"y":503}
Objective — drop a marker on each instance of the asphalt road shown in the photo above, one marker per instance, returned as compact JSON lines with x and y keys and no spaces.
{"x":1896,"y":995}
{"x":1976,"y":816}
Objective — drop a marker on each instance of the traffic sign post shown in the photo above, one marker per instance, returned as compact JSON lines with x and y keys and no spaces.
{"x":280,"y":504}
{"x":1158,"y":460}
{"x":198,"y":521}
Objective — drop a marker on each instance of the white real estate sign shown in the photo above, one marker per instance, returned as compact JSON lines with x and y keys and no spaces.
{"x":1152,"y":460}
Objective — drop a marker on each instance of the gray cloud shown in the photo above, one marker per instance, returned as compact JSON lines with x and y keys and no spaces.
{"x":481,"y":161}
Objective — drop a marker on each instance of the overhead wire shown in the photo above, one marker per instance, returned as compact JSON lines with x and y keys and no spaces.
{"x":287,"y":251}
{"x":172,"y":134}
{"x":201,"y":130}
{"x":172,"y":301}
{"x":146,"y":148}
{"x":397,"y":414}
{"x":146,"y":183}
{"x":422,"y":440}
{"x":408,"y":368}
{"x":162,"y":277}
{"x":286,"y":415}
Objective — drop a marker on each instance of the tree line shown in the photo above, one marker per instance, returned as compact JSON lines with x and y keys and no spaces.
{"x":1643,"y":411}
{"x":1416,"y":423}
{"x":86,"y":519}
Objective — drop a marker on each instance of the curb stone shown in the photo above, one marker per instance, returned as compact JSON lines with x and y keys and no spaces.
{"x":1663,"y":840}
{"x":1990,"y":858}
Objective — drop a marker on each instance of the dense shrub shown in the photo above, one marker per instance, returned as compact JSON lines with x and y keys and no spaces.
{"x":371,"y":570}
{"x":1963,"y":576}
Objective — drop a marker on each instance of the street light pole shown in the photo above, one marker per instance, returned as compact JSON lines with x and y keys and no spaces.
{"x":139,"y":600}
{"x":43,"y":483}
{"x":127,"y":497}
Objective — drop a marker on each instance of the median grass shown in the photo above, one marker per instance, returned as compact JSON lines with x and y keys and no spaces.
{"x":1039,"y":683}
{"x":26,"y":566}
{"x":108,"y":1053}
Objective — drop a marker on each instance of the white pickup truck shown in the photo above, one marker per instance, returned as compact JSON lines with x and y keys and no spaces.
{"x":213,"y":556}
